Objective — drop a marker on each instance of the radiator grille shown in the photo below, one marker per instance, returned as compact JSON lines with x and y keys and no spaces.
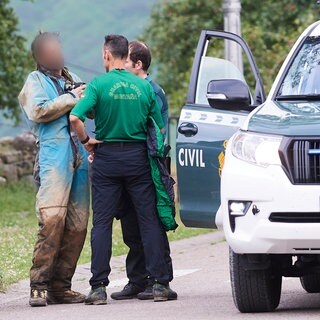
{"x":301,"y":158}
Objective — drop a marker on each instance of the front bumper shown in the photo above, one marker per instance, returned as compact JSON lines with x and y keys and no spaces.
{"x":270,"y":190}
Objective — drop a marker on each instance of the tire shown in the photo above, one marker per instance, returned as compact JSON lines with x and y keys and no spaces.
{"x":253,"y":290}
{"x":311,"y":283}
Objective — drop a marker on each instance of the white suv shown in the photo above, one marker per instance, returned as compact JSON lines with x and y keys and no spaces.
{"x":269,"y":205}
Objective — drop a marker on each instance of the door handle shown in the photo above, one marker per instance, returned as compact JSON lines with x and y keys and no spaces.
{"x":188,"y":129}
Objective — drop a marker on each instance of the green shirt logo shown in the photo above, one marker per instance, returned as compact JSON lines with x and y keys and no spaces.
{"x":124,"y":96}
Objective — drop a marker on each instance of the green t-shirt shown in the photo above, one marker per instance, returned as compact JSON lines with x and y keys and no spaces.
{"x":122,"y":103}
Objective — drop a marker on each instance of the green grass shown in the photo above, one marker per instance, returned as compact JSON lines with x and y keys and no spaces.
{"x":18,"y":229}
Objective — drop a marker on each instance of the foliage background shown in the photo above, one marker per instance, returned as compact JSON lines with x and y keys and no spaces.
{"x":170,"y":27}
{"x":269,"y":27}
{"x":14,"y":60}
{"x":82,"y":25}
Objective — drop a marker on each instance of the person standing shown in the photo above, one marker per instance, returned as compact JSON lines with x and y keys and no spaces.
{"x":122,"y":104}
{"x":62,"y":200}
{"x":139,"y":286}
{"x":138,"y":63}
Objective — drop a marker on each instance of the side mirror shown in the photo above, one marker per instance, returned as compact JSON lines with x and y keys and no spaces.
{"x":228,"y":94}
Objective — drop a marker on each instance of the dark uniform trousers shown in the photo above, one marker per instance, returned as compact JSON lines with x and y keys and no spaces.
{"x":119,"y":168}
{"x":135,"y":262}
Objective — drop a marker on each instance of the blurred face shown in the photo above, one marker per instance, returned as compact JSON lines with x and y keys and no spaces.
{"x":131,"y":66}
{"x":51,"y":55}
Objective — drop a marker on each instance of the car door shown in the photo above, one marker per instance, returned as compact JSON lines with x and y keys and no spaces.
{"x":203,"y":131}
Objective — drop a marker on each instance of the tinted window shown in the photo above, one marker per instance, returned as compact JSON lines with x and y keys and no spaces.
{"x":217,"y":64}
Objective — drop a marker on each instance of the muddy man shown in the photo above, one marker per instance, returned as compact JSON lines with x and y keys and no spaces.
{"x":62,"y":201}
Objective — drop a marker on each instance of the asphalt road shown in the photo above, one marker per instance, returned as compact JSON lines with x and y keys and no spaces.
{"x":202,"y":282}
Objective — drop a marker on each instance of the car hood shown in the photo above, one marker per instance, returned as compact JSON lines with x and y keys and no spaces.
{"x":289,"y":118}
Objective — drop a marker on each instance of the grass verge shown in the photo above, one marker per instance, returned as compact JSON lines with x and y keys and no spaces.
{"x":18,"y":229}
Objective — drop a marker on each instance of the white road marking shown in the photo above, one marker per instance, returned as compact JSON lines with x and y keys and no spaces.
{"x":183,"y":272}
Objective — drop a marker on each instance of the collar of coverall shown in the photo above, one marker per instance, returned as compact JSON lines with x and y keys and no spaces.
{"x":65,"y":75}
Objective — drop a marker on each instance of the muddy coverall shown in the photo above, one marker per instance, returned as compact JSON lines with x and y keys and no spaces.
{"x":62,"y":201}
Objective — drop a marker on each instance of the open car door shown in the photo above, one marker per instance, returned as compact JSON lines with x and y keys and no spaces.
{"x":220,"y":97}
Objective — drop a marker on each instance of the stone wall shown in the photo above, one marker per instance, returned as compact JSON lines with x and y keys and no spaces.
{"x":17,"y":156}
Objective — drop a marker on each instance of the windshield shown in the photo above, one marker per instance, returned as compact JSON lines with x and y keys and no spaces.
{"x":303,"y":77}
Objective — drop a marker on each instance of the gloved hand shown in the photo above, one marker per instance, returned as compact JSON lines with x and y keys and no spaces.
{"x":78,"y":92}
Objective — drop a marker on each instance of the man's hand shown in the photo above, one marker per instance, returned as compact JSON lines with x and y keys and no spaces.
{"x":79,"y":91}
{"x":90,"y":145}
{"x":78,"y":127}
{"x":91,"y":158}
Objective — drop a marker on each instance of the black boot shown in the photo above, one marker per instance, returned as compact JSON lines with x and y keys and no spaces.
{"x":129,"y":291}
{"x":96,"y":296}
{"x":147,"y":294}
{"x":163,"y":293}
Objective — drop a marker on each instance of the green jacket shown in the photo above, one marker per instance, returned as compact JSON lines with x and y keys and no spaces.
{"x":161,"y":176}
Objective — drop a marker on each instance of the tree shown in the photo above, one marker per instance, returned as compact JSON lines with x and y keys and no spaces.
{"x":15,"y":61}
{"x":173,"y":31}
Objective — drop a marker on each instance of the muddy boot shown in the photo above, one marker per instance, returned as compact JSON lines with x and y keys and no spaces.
{"x":38,"y":298}
{"x":163,"y":293}
{"x":65,"y":297}
{"x":97,"y":296}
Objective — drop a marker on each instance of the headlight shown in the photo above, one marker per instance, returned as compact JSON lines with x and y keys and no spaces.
{"x":259,"y":149}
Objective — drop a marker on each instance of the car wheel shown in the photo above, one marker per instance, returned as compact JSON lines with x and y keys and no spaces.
{"x":311,"y":283}
{"x":253,"y":290}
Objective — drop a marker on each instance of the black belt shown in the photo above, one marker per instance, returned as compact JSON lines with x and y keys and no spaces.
{"x":122,"y":145}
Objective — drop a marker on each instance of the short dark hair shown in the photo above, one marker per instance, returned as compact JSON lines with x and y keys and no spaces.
{"x":140,"y":51}
{"x":38,"y":41}
{"x":118,"y":45}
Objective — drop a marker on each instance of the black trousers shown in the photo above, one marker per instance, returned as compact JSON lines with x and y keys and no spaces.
{"x":118,"y":168}
{"x":135,"y":262}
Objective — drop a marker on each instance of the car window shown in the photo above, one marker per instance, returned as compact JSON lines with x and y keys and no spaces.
{"x":304,"y":74}
{"x":216,"y":64}
{"x":214,"y":69}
